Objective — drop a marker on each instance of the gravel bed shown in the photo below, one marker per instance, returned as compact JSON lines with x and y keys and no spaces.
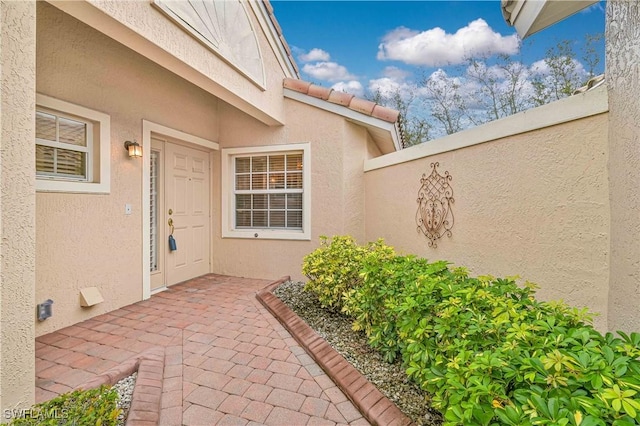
{"x":125,"y":392}
{"x":335,"y":328}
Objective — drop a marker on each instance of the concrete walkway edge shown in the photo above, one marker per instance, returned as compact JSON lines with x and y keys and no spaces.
{"x":374,"y":406}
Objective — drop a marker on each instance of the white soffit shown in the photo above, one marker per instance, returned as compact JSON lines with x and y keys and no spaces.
{"x":531,"y":16}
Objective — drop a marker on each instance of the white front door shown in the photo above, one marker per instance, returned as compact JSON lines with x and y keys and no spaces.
{"x":183,"y":205}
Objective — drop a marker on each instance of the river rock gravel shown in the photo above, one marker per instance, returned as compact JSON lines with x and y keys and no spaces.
{"x":335,"y":328}
{"x":125,"y":392}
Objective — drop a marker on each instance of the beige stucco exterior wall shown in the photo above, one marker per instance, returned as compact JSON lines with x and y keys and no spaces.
{"x":534,"y":205}
{"x":149,"y":31}
{"x":623,"y":82}
{"x":338,"y":149}
{"x":86,"y":240}
{"x":17,"y":205}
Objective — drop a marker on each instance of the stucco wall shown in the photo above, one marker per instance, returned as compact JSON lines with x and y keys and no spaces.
{"x":623,"y":81}
{"x":17,"y":205}
{"x":338,"y":149}
{"x":534,"y":205}
{"x":149,"y":31}
{"x":86,"y":240}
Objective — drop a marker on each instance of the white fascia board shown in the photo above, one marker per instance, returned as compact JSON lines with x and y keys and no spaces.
{"x":535,"y":15}
{"x":565,"y":110}
{"x":527,"y":15}
{"x":91,"y":15}
{"x":351,"y":115}
{"x":260,"y":11}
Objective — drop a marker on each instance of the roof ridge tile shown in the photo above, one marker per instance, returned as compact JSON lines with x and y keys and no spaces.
{"x":319,"y":92}
{"x":361,"y":105}
{"x":341,"y":98}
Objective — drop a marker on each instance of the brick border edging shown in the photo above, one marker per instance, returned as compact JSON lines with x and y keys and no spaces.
{"x":374,"y":406}
{"x":147,"y":393}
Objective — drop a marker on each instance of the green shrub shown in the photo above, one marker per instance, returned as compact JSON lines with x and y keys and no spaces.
{"x":95,"y":407}
{"x":334,"y":268}
{"x":374,"y":303}
{"x":486,"y":351}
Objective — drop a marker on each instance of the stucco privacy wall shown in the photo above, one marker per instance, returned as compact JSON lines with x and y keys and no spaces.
{"x":86,"y":240}
{"x":623,"y":81}
{"x":338,"y":149}
{"x":17,"y":204}
{"x":534,"y":205}
{"x":147,"y":29}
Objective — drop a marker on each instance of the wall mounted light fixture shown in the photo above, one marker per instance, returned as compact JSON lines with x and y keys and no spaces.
{"x":134,"y":148}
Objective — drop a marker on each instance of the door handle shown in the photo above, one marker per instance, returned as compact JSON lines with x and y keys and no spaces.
{"x":170,"y":223}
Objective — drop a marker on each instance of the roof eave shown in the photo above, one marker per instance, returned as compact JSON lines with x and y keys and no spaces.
{"x":385,"y":134}
{"x":531,"y":16}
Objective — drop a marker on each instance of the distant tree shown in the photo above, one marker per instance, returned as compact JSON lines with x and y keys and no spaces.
{"x":590,"y":56}
{"x":444,"y":97}
{"x":484,"y":91}
{"x":499,"y":90}
{"x":415,"y":128}
{"x":561,"y":74}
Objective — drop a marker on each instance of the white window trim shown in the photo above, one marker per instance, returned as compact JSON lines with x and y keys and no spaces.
{"x":228,"y":198}
{"x":87,"y":149}
{"x":103,"y":184}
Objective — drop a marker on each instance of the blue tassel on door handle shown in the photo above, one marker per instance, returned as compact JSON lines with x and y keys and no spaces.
{"x":172,"y":241}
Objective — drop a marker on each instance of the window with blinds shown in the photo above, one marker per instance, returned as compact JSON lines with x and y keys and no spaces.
{"x":268,"y":191}
{"x":63,"y":147}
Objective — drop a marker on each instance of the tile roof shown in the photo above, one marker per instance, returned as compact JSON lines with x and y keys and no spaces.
{"x":276,"y":25}
{"x":347,"y":100}
{"x":591,"y":84}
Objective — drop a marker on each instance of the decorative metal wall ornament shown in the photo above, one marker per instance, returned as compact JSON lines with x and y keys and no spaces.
{"x":435,"y":197}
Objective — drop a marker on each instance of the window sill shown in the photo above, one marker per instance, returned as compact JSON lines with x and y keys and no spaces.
{"x":50,"y":185}
{"x":266,"y":234}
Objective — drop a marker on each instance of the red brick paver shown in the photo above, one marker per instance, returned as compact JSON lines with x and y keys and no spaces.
{"x":226,"y":359}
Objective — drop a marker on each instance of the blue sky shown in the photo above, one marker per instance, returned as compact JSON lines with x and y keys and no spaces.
{"x":359,"y":45}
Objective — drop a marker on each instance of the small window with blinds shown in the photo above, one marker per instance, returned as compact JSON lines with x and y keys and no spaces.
{"x":63,"y":147}
{"x":268,"y":191}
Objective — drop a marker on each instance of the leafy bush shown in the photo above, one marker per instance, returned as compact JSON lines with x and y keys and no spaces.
{"x":373,"y":304}
{"x":334,"y":268}
{"x":95,"y":407}
{"x":485,"y":349}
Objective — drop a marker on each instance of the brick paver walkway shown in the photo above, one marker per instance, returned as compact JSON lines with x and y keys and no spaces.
{"x":227,"y":360}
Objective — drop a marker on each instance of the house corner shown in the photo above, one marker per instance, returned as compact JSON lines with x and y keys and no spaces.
{"x":17,"y":206}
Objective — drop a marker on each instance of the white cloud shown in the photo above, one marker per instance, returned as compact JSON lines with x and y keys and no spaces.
{"x":435,"y":47}
{"x":541,"y":67}
{"x":329,"y":71}
{"x":385,"y":86}
{"x":353,"y":86}
{"x":395,"y":73}
{"x":314,"y":55}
